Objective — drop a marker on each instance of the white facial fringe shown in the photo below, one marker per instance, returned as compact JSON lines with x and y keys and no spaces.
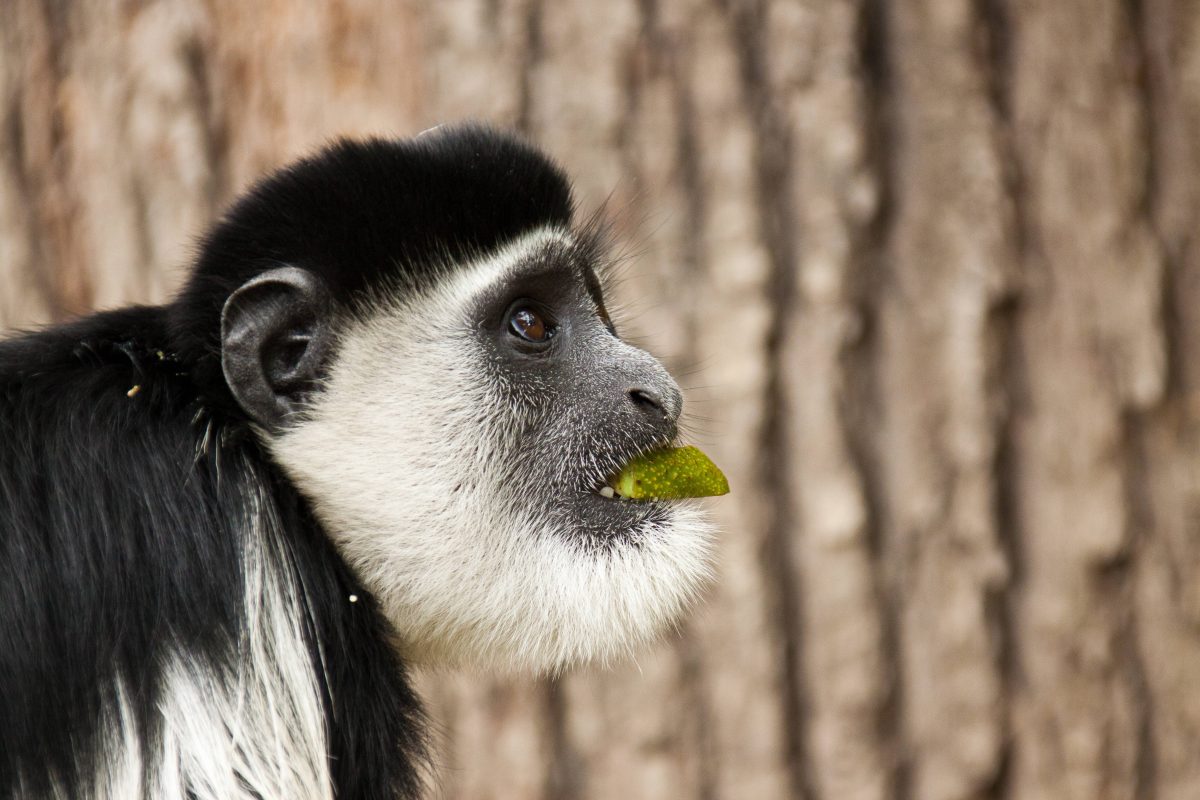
{"x":404,"y":456}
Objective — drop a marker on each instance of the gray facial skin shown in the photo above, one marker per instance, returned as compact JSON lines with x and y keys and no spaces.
{"x":585,"y":401}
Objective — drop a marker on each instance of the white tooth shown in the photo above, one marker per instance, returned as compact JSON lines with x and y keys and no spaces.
{"x":606,"y":491}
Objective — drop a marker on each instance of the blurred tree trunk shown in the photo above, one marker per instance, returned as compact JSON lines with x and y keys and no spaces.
{"x":928,"y":267}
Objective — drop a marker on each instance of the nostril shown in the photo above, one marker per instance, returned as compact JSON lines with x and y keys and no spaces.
{"x":647,"y":399}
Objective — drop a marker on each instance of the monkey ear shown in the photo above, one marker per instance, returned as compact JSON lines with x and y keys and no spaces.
{"x":275,"y":338}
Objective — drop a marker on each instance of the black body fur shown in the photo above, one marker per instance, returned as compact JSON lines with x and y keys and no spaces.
{"x":119,"y":514}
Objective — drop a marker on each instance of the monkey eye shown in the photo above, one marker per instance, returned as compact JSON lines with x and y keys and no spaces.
{"x":530,"y":325}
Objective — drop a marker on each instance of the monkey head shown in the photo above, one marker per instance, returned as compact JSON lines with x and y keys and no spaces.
{"x":417,"y":332}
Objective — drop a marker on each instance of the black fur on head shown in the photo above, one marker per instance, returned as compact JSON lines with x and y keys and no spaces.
{"x":361,"y":214}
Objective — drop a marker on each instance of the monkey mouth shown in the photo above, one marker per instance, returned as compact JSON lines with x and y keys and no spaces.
{"x":607,"y":484}
{"x":610,"y":487}
{"x":610,"y":492}
{"x":602,"y":515}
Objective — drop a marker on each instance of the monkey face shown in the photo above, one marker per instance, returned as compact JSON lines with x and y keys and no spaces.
{"x":456,"y":452}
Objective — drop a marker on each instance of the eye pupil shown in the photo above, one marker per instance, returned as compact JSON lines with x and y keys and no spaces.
{"x":529,"y":325}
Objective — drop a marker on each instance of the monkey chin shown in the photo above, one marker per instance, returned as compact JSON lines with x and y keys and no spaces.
{"x":538,"y":599}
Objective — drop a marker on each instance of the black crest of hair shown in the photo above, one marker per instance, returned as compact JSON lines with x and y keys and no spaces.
{"x":126,"y":469}
{"x":365,"y":214}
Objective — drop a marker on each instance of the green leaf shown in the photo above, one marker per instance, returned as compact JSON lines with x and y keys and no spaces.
{"x":671,"y":474}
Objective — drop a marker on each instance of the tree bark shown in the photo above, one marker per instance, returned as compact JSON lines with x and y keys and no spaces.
{"x":928,"y":273}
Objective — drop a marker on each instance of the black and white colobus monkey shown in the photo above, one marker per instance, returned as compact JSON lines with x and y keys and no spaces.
{"x":371,"y":430}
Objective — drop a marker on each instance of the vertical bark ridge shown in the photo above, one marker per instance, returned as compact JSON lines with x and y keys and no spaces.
{"x":1007,"y":382}
{"x":564,"y":778}
{"x":776,"y":215}
{"x":1078,"y":124}
{"x":43,"y":163}
{"x":1138,"y":475}
{"x":1165,"y":193}
{"x":949,"y":253}
{"x":532,"y":57}
{"x":1012,"y":393}
{"x":1141,"y":525}
{"x":1165,"y":438}
{"x":865,"y":403}
{"x":26,"y":292}
{"x":214,"y":126}
{"x":750,"y":730}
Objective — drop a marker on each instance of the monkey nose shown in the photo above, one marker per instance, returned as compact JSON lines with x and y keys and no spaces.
{"x":658,"y":405}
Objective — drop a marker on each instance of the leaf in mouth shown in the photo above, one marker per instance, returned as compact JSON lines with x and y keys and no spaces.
{"x":671,"y":474}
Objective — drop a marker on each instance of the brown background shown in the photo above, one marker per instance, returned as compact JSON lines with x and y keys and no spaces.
{"x":927,"y":268}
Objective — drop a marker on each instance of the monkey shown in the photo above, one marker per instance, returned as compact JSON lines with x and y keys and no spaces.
{"x":372,"y":432}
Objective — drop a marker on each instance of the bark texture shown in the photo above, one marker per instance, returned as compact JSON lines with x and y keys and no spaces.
{"x":928,"y":269}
